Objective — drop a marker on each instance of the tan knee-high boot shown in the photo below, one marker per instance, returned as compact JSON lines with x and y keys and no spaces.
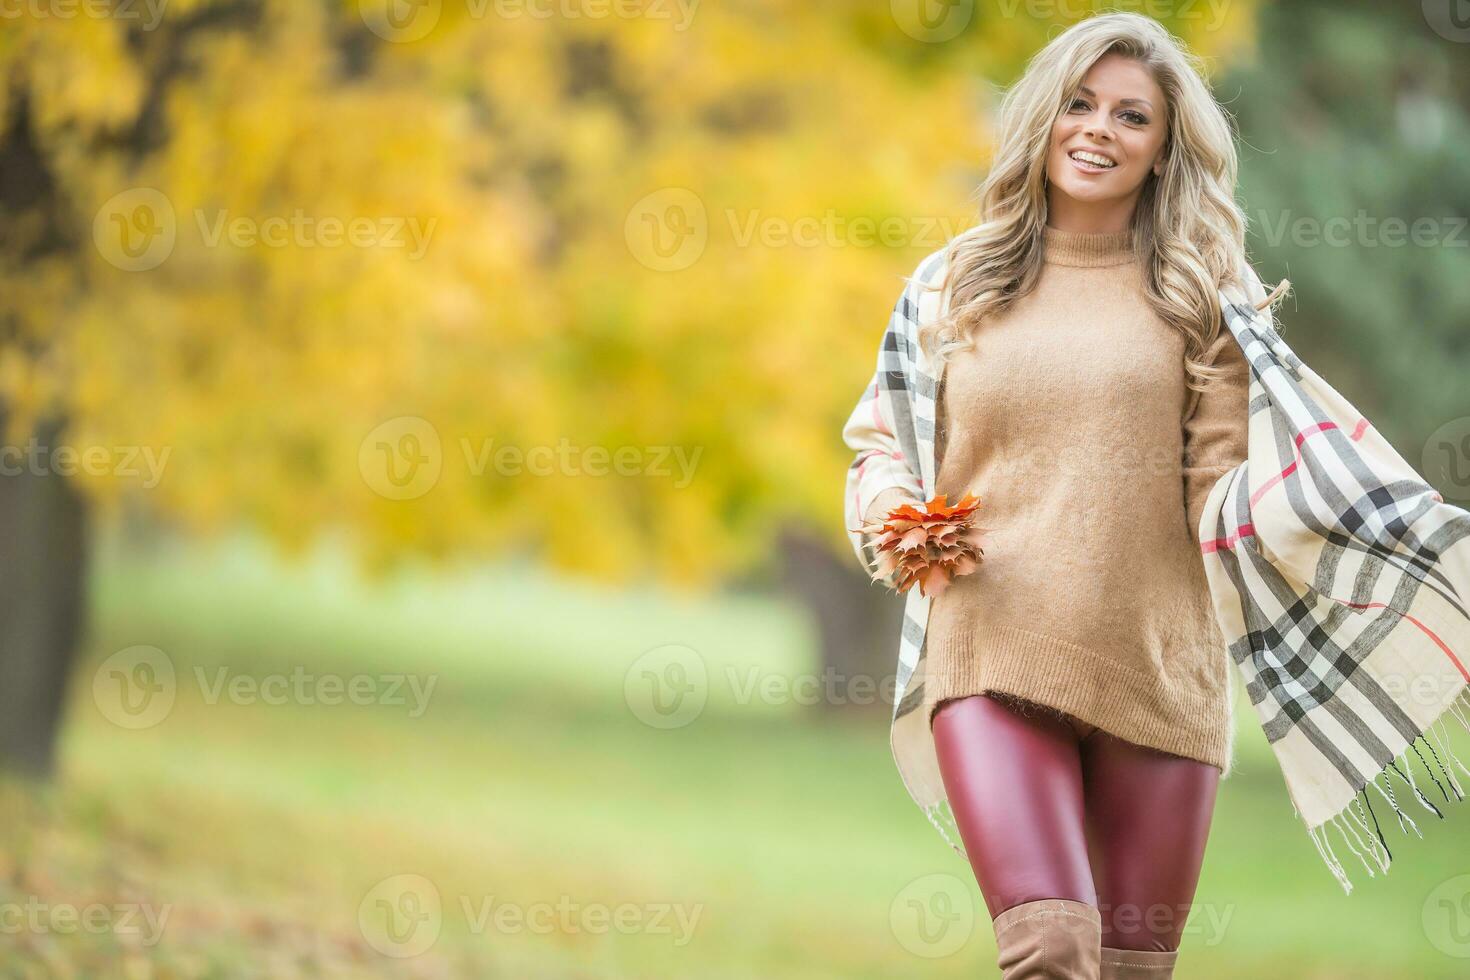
{"x":1051,"y":938}
{"x":1137,"y":964}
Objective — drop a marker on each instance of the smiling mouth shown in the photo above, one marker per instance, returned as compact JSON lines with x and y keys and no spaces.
{"x":1090,"y":162}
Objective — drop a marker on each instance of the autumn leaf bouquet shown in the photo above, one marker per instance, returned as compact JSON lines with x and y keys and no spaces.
{"x":928,"y":544}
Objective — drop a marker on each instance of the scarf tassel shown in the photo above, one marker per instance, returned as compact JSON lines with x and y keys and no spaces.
{"x":1352,"y":821}
{"x":942,"y":817}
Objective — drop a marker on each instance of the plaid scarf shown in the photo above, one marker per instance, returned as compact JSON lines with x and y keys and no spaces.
{"x":1337,"y":574}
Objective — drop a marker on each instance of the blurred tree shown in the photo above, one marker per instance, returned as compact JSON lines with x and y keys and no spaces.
{"x":471,"y":277}
{"x":1355,"y":175}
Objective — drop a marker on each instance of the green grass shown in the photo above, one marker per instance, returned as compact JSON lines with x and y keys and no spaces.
{"x":528,"y":780}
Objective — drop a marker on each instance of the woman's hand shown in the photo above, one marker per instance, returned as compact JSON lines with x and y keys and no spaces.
{"x":878,"y":510}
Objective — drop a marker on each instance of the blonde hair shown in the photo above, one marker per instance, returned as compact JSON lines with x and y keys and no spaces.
{"x":1186,"y":222}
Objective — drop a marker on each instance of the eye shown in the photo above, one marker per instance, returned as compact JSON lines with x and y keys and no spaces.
{"x":1076,"y":102}
{"x":1137,"y":118}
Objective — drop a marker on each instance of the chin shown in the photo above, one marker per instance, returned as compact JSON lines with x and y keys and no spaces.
{"x":1085,"y":193}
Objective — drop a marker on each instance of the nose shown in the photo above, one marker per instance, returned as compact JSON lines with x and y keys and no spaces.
{"x":1097,"y":126}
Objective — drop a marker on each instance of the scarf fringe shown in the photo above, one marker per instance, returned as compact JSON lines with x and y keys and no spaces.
{"x":1353,"y":818}
{"x":942,"y":817}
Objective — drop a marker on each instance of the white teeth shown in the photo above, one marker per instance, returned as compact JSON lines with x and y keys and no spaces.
{"x":1092,"y":158}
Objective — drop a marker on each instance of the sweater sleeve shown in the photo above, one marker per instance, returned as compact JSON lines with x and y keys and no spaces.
{"x":881,"y":474}
{"x":1216,"y":426}
{"x":1215,"y":432}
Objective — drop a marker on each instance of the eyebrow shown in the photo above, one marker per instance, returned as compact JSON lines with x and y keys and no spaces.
{"x":1146,"y":102}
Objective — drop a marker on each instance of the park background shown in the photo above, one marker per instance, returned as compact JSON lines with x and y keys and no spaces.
{"x":422,"y":511}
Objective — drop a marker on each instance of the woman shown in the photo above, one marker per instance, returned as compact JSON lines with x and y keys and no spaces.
{"x":1075,"y":682}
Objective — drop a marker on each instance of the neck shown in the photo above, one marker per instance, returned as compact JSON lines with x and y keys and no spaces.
{"x":1070,"y":214}
{"x":1087,"y":249}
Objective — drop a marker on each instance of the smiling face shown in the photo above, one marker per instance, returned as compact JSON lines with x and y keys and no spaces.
{"x":1104,"y":145}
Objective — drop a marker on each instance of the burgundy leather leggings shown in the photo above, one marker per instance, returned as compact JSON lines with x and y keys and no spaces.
{"x":1035,"y":791}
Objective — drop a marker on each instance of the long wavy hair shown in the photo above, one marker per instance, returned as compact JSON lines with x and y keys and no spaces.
{"x":1186,"y":222}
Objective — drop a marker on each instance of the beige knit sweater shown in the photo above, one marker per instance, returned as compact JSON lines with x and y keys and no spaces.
{"x":1092,"y":460}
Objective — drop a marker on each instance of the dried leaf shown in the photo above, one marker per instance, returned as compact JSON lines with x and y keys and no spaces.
{"x":928,"y":546}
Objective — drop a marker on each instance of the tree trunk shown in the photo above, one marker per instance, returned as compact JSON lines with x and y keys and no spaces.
{"x":43,"y":537}
{"x":857,"y":621}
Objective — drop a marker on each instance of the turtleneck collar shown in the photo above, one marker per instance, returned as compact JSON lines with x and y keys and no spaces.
{"x":1087,"y":249}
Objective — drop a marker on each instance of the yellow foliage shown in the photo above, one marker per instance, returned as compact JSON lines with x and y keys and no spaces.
{"x":312,"y":264}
